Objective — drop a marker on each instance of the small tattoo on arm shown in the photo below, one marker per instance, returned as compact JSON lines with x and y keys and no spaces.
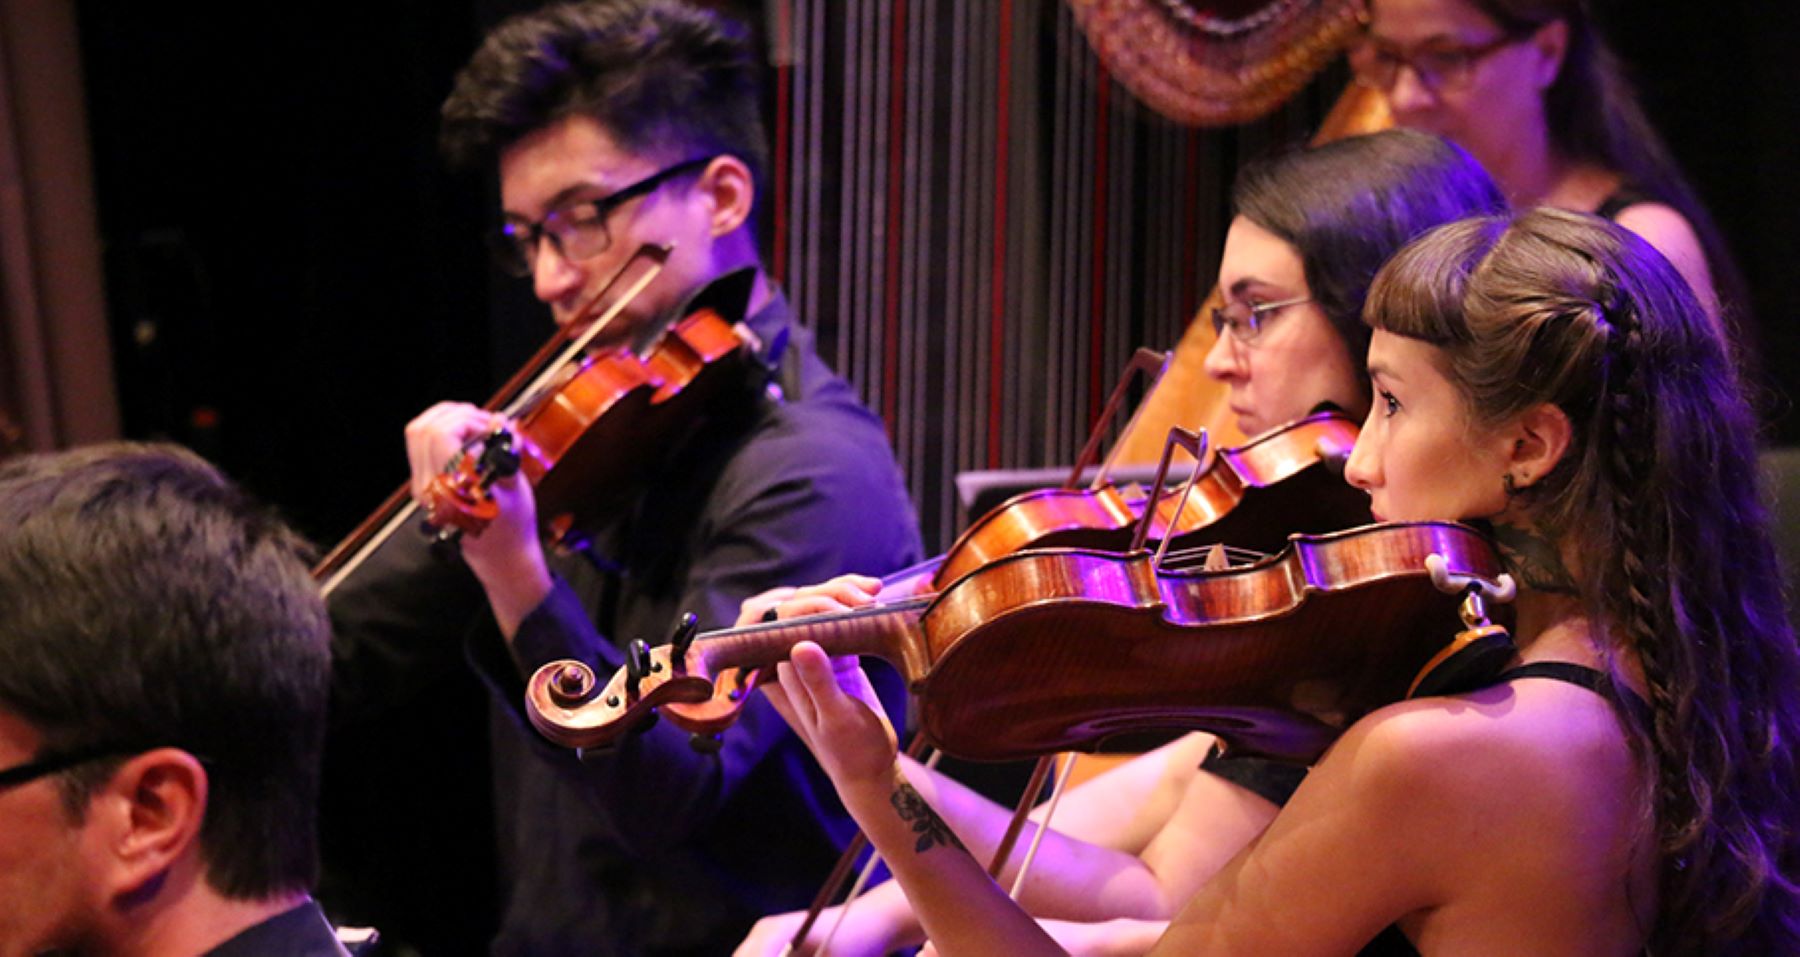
{"x":930,"y":828}
{"x":1534,"y":559}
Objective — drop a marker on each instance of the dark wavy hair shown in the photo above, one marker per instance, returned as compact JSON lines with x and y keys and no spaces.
{"x":1348,"y":205}
{"x":1659,"y":493}
{"x":1594,"y":114}
{"x":146,"y":602}
{"x":663,"y":78}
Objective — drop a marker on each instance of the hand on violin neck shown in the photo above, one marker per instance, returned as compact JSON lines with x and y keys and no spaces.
{"x":439,"y":434}
{"x":839,"y":594}
{"x":833,"y":709}
{"x":763,"y":607}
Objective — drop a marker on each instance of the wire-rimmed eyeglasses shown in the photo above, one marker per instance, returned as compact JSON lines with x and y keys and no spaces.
{"x":1246,"y":321}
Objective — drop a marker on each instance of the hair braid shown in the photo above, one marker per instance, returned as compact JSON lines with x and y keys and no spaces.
{"x":1715,"y":869}
{"x":1636,"y":613}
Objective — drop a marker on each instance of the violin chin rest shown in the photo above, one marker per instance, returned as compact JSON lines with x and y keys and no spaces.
{"x":1469,"y":662}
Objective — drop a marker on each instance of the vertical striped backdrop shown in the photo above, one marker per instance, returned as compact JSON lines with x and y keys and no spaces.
{"x":982,"y":226}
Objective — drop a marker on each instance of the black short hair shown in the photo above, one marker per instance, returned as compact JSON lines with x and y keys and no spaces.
{"x":146,"y":602}
{"x":662,"y":77}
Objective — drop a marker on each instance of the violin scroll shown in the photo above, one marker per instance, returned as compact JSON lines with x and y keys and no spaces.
{"x":568,"y":707}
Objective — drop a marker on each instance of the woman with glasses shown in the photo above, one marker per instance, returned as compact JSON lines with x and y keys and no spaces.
{"x":1127,"y":848}
{"x":1628,"y":784}
{"x":1532,"y":91}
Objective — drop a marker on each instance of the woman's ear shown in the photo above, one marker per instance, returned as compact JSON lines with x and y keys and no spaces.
{"x":1541,"y":437}
{"x":728,"y":183}
{"x":1551,"y":41}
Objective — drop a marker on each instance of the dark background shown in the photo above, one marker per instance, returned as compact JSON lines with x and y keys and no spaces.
{"x":292,"y":273}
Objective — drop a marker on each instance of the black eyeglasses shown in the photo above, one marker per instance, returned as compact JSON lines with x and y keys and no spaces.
{"x":1440,"y":67}
{"x":52,"y":763}
{"x":1246,"y":321}
{"x":577,"y":230}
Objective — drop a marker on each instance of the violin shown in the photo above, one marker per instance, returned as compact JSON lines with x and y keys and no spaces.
{"x":1281,"y":482}
{"x":567,"y":436}
{"x":1288,"y":479}
{"x":584,"y":420}
{"x":1059,"y":649}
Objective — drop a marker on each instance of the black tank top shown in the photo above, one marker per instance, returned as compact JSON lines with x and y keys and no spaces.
{"x":1613,"y":205}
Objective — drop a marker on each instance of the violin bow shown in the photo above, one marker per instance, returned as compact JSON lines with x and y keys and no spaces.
{"x":841,"y":872}
{"x":834,"y":883}
{"x":1194,"y":444}
{"x":1145,"y":362}
{"x":654,"y":256}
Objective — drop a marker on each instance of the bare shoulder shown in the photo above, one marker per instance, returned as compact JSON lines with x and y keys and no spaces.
{"x":1524,"y":798}
{"x":1521,"y":741}
{"x":1663,"y":227}
{"x":1496,"y":822}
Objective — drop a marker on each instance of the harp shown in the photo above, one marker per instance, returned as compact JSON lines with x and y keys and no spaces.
{"x":1215,"y":63}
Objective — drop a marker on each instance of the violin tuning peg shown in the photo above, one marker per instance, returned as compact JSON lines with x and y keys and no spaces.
{"x":685,"y":630}
{"x":499,"y":456}
{"x":706,"y":743}
{"x":637,"y":665}
{"x":445,"y":542}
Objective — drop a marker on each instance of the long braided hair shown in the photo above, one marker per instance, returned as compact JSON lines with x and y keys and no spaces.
{"x":1659,"y":495}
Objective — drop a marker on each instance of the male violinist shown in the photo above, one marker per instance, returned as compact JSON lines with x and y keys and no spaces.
{"x":614,"y":124}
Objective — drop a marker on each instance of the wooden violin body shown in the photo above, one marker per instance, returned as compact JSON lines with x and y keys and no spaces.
{"x":1255,"y":495}
{"x":591,"y":436}
{"x":1059,"y":649}
{"x":1287,"y":480}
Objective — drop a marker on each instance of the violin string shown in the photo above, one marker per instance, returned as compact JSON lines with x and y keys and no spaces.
{"x":1192,"y":557}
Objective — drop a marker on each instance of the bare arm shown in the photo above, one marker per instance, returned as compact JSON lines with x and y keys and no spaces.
{"x":963,"y":911}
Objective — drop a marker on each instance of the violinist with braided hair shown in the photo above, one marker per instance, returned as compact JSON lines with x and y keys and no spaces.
{"x":1628,"y":782}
